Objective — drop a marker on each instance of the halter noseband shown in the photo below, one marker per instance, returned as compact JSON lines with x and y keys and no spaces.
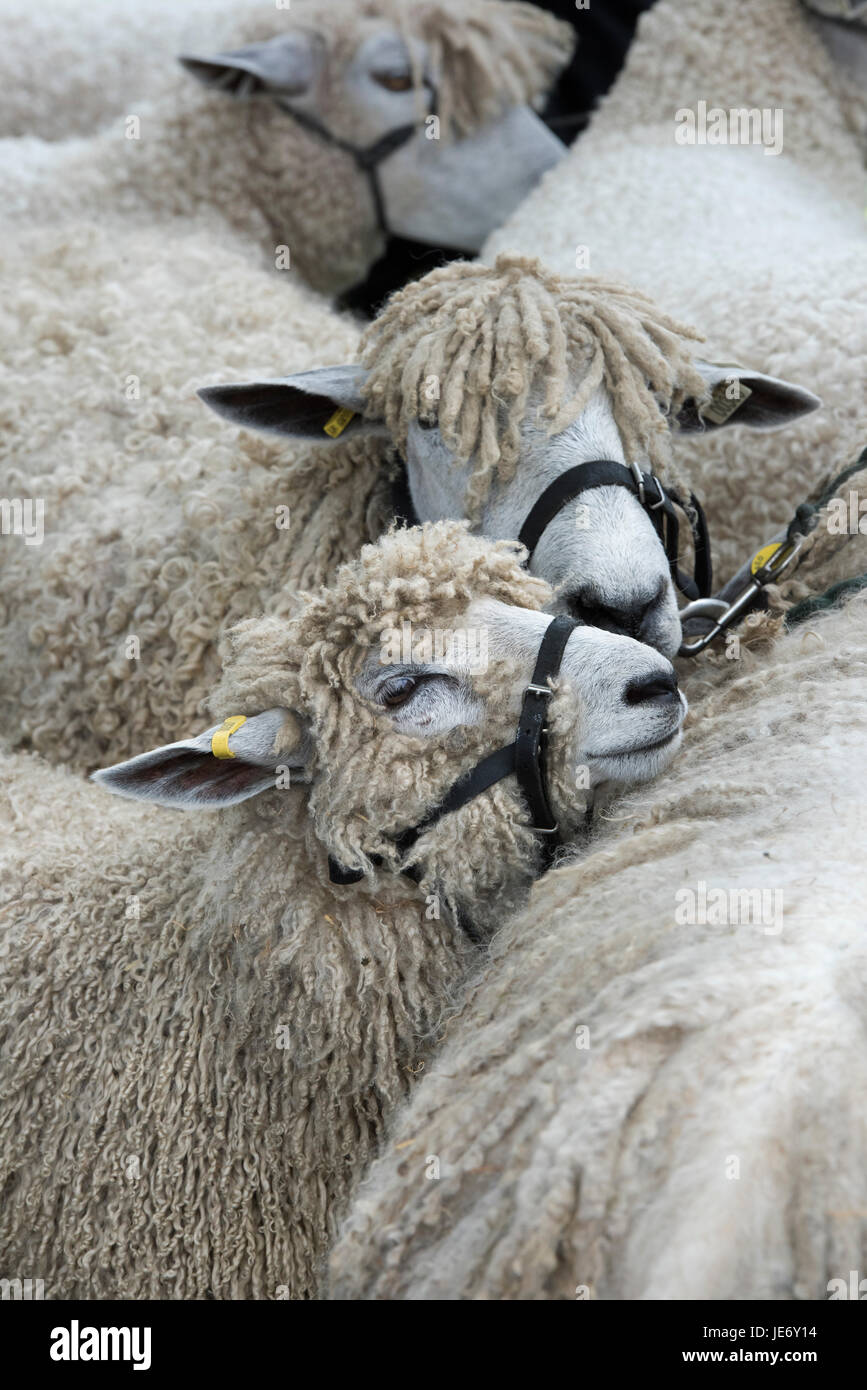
{"x":658,"y":504}
{"x":525,"y":757}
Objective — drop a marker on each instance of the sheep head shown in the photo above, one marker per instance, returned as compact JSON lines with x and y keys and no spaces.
{"x":493,"y":381}
{"x":396,"y":680}
{"x":459,"y":77}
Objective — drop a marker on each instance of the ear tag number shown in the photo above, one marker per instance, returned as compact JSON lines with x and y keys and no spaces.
{"x":338,"y":422}
{"x":220,"y":741}
{"x":721,"y":406}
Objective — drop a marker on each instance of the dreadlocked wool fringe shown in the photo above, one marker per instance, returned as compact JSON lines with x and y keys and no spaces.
{"x":200,"y":1034}
{"x":474,"y":348}
{"x":655,"y":1087}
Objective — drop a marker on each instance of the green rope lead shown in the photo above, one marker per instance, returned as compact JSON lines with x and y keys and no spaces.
{"x":808,"y":512}
{"x":808,"y":606}
{"x":807,"y":515}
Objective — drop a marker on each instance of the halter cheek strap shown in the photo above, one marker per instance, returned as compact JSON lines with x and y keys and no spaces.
{"x":568,"y":486}
{"x":525,"y":757}
{"x":367,"y":157}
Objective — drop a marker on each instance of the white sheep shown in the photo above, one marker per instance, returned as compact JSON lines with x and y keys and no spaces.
{"x":160,"y":532}
{"x":202,"y":1035}
{"x":655,"y":1088}
{"x":322,"y":130}
{"x":765,"y":251}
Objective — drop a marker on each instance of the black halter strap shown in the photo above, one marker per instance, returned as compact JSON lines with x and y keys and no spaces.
{"x":367,"y":157}
{"x":658,"y":504}
{"x":525,"y":757}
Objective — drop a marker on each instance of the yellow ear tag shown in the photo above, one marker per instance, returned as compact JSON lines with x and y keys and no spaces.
{"x":762,"y":556}
{"x":220,"y":741}
{"x":338,"y":422}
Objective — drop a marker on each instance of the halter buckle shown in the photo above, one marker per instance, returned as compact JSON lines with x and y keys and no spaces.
{"x":654,"y":506}
{"x":539,"y":690}
{"x":639,"y":480}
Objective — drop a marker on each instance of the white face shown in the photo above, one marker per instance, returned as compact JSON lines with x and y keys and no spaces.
{"x":451,"y":194}
{"x":601,"y":554}
{"x":631,"y":712}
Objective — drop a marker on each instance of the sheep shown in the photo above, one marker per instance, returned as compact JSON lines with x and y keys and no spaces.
{"x":765,"y":251}
{"x":654,"y":1088}
{"x":110,"y":628}
{"x":288,"y":143}
{"x":201,"y":1034}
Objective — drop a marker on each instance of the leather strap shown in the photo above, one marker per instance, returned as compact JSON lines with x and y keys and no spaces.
{"x":525,"y":757}
{"x":531,"y":741}
{"x":565,"y":488}
{"x":658,"y":503}
{"x":367,"y":157}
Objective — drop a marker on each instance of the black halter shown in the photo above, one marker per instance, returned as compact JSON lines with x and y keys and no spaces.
{"x":367,"y":157}
{"x":658,"y":504}
{"x":525,"y":757}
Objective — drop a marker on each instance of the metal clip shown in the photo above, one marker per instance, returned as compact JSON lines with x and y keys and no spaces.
{"x":654,"y":506}
{"x":767,"y":574}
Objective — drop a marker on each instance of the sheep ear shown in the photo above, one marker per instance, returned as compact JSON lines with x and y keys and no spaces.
{"x":742,"y":397}
{"x":322,"y":405}
{"x":228,"y":763}
{"x":284,"y":65}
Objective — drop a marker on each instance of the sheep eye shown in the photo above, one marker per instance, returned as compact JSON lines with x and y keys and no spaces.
{"x":393,"y":82}
{"x":398,"y":690}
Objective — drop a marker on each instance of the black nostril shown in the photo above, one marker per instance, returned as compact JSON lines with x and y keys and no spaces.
{"x":655,"y":690}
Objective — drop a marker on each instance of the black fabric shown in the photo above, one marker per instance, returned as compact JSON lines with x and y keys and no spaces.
{"x":605,"y":30}
{"x":401,"y":498}
{"x":485,"y":774}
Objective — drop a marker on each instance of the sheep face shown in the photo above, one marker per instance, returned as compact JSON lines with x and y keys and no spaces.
{"x":363,"y":80}
{"x":601,"y":554}
{"x":398,"y":680}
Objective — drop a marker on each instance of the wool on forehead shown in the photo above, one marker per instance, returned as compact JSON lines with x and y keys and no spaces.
{"x":474,"y":347}
{"x":429,"y":574}
{"x":483,"y":55}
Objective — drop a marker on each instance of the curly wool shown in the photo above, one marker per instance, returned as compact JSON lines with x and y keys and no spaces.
{"x":466,"y":346}
{"x":607,"y":1068}
{"x":201,"y":1035}
{"x":162,"y":524}
{"x":310,"y":665}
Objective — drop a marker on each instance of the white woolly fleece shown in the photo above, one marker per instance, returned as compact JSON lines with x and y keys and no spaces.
{"x":635,"y":1102}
